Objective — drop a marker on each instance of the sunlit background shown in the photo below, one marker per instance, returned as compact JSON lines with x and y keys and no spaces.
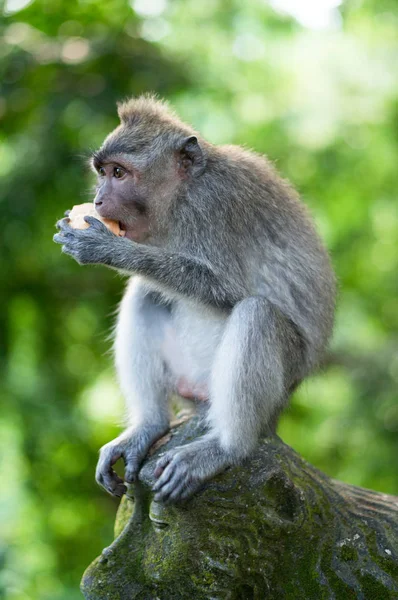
{"x":311,"y":83}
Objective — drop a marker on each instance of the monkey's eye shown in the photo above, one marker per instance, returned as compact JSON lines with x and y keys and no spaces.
{"x":101,"y":171}
{"x":118,"y":172}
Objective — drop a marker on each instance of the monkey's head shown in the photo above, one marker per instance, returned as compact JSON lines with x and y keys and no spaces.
{"x":144,"y":165}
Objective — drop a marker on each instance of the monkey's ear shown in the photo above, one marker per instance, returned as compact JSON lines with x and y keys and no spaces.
{"x":192,"y":156}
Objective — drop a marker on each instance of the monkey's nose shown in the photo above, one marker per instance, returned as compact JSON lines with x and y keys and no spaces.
{"x":97,"y":203}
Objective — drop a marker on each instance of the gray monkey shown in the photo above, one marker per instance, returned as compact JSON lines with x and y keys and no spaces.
{"x":231,"y":299}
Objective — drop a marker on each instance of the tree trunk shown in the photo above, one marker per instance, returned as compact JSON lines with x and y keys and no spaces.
{"x":274,"y":528}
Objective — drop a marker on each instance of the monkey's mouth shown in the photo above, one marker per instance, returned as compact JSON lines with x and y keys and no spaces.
{"x":125,"y":231}
{"x":135,"y":229}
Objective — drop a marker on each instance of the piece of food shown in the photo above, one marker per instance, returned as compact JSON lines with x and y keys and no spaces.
{"x":79,"y":211}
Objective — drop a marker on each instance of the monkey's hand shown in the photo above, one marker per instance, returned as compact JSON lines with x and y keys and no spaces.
{"x":94,"y":245}
{"x":183,"y":470}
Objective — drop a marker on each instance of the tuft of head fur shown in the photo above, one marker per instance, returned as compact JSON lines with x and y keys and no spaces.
{"x":144,"y":104}
{"x":146,"y":121}
{"x":149,"y":110}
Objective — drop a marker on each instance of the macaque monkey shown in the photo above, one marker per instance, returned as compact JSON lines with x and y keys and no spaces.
{"x":231,"y":298}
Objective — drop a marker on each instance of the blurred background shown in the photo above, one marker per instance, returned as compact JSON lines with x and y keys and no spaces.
{"x":314,"y":85}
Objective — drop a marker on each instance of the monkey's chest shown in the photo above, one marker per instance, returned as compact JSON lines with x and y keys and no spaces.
{"x":191,"y":338}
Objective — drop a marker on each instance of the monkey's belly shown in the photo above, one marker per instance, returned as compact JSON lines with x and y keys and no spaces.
{"x":191,"y":339}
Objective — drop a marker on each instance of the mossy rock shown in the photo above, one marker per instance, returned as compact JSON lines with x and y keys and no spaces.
{"x":274,"y":528}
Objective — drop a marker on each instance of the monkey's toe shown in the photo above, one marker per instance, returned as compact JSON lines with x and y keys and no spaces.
{"x":105,"y":475}
{"x":112,"y":483}
{"x":175,"y":479}
{"x":131,"y":472}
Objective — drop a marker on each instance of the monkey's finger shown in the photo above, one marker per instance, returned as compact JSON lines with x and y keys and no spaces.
{"x":67,"y":213}
{"x":181,"y":493}
{"x":58,"y":238}
{"x":116,"y":486}
{"x":130,"y":473}
{"x":170,"y":491}
{"x":160,"y":467}
{"x":165,"y":476}
{"x":108,"y":457}
{"x":62,"y":237}
{"x":95,"y":223}
{"x":162,"y":463}
{"x":110,"y":480}
{"x":113,"y":484}
{"x":63,"y":224}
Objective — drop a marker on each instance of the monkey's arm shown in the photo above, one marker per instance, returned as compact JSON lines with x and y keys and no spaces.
{"x":180,"y":273}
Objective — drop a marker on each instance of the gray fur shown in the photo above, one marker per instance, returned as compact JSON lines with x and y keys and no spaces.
{"x":232,"y":291}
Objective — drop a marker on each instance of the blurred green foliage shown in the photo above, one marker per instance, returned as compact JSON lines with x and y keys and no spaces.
{"x":322,"y":103}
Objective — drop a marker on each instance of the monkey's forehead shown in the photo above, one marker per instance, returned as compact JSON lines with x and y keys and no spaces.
{"x":124,"y":141}
{"x":136,"y":143}
{"x":121,"y":144}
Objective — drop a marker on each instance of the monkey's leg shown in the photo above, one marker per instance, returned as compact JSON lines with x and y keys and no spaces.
{"x":143,"y":380}
{"x":258,"y":359}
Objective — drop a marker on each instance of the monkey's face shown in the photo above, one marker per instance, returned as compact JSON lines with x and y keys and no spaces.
{"x":120,"y":196}
{"x":131,"y":190}
{"x":140,"y":173}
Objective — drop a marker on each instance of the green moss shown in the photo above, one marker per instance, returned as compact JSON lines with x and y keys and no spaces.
{"x":340,"y":588}
{"x":373,"y":589}
{"x":348,"y":553}
{"x":125,"y":510}
{"x":206,"y":578}
{"x":387,"y":563}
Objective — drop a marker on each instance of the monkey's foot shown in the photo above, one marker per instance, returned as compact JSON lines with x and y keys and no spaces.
{"x":132,"y":447}
{"x":182,"y":470}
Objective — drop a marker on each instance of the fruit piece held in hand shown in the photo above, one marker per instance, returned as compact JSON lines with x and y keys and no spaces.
{"x":78,"y":212}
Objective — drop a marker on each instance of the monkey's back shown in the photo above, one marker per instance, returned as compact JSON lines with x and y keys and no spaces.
{"x":270,"y":233}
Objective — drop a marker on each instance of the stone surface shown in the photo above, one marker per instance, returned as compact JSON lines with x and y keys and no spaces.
{"x":274,"y":528}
